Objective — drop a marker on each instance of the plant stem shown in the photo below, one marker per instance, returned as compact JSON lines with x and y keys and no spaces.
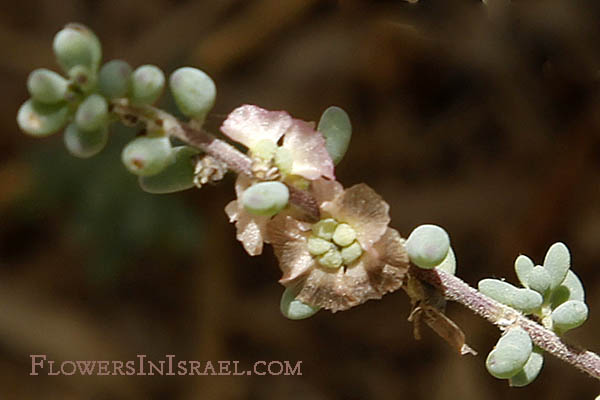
{"x":455,"y":289}
{"x":450,"y":286}
{"x":195,"y":136}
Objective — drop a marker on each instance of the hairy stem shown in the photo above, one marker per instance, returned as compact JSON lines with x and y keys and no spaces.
{"x":195,"y":136}
{"x":455,"y":289}
{"x":449,"y":285}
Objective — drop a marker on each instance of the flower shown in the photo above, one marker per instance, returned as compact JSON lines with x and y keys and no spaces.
{"x":301,"y":155}
{"x":251,"y":229}
{"x":346,"y":258}
{"x":302,"y":151}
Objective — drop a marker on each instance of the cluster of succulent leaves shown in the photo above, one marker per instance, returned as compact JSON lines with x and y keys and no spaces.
{"x":80,"y":103}
{"x":552,"y":294}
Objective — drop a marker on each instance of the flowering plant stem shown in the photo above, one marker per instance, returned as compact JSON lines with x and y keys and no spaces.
{"x":195,"y":136}
{"x":449,"y":285}
{"x":503,"y":316}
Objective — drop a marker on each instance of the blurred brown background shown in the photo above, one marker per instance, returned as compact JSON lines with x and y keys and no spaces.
{"x":484,"y":120}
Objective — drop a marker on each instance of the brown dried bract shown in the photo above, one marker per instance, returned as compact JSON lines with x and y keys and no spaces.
{"x":379,"y":270}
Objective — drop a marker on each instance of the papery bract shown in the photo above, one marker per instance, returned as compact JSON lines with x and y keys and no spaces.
{"x":380,"y":267}
{"x":252,"y":126}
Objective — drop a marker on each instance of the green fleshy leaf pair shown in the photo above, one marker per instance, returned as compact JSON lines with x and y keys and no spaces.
{"x":510,"y":354}
{"x":549,"y":276}
{"x":515,"y":358}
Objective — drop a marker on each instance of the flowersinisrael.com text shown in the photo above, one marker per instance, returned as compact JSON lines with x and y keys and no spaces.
{"x":169,"y":366}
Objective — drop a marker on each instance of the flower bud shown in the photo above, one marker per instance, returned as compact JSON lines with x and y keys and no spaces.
{"x":92,"y":113}
{"x":427,"y":246}
{"x":265,"y":198}
{"x":85,"y":144}
{"x":75,"y":45}
{"x":525,"y":300}
{"x":510,"y":354}
{"x":147,"y":83}
{"x":194,"y":92}
{"x":295,"y":309}
{"x":337,"y":130}
{"x":146,"y":156}
{"x":557,"y":262}
{"x":569,"y":315}
{"x":530,"y":371}
{"x":39,"y":119}
{"x":177,"y":176}
{"x":114,"y":79}
{"x":46,"y":86}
